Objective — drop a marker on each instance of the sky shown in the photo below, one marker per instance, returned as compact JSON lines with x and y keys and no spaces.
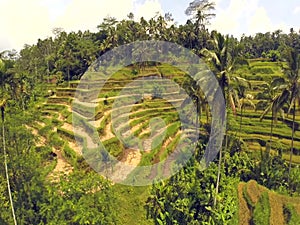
{"x":24,"y":21}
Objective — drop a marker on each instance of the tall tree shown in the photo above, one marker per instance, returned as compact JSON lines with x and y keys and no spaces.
{"x":200,"y":10}
{"x":278,"y":97}
{"x":2,"y":108}
{"x":242,"y":86}
{"x":293,"y":60}
{"x":108,"y":28}
{"x":222,"y":57}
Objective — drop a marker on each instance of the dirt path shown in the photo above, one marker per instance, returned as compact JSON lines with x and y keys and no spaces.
{"x":90,"y":143}
{"x":67,"y":126}
{"x":62,"y":166}
{"x":60,"y":117}
{"x":107,"y":132}
{"x":147,"y":144}
{"x":77,"y":148}
{"x":130,"y":160}
{"x":165,"y":145}
{"x":97,"y":123}
{"x":42,"y":124}
{"x":131,"y":157}
{"x":74,"y":145}
{"x":40,"y":141}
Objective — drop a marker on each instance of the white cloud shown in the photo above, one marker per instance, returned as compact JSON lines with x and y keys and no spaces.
{"x":25,"y":21}
{"x":260,"y":22}
{"x":297,"y":10}
{"x":56,"y":7}
{"x":148,"y":9}
{"x":228,"y":20}
{"x":85,"y":15}
{"x":243,"y":16}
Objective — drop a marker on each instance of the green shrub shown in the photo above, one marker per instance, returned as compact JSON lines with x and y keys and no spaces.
{"x":261,"y":105}
{"x":45,"y":152}
{"x":262,"y":70}
{"x":290,"y":215}
{"x":46,"y":131}
{"x":56,"y":122}
{"x":253,"y":77}
{"x":262,"y":96}
{"x":69,"y":135}
{"x":261,"y":213}
{"x":114,"y":146}
{"x":70,"y":155}
{"x":55,"y":140}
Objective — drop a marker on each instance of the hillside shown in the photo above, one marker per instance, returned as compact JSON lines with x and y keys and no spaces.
{"x":143,"y":120}
{"x":258,"y":205}
{"x":55,"y":129}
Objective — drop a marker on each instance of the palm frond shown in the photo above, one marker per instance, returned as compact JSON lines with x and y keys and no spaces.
{"x":267,"y":110}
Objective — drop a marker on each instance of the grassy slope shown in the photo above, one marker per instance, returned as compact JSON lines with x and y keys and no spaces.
{"x":131,"y":200}
{"x":258,"y":205}
{"x":130,"y":203}
{"x":255,"y":132}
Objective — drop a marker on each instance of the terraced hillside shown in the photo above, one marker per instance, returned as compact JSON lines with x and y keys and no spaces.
{"x":98,"y":112}
{"x":258,"y":205}
{"x":62,"y":112}
{"x":255,"y":131}
{"x":144,"y":131}
{"x":157,"y":136}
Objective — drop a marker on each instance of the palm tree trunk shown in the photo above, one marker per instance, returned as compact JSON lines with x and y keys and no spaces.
{"x":198,"y":117}
{"x":218,"y":178}
{"x":6,"y":168}
{"x":220,"y":162}
{"x":271,"y":136}
{"x":241,"y":120}
{"x":231,"y":101}
{"x":68,"y":74}
{"x":48,"y":72}
{"x":219,"y":168}
{"x":292,"y":143}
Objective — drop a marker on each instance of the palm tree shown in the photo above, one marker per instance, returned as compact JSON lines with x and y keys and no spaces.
{"x":2,"y":108}
{"x":278,"y":96}
{"x":142,"y":31}
{"x":108,"y":27}
{"x":198,"y":97}
{"x":223,"y":57}
{"x":289,"y":93}
{"x":244,"y":99}
{"x":161,"y":28}
{"x":201,"y":12}
{"x":293,"y":60}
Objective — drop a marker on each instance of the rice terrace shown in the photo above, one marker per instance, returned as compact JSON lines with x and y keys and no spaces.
{"x":64,"y":118}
